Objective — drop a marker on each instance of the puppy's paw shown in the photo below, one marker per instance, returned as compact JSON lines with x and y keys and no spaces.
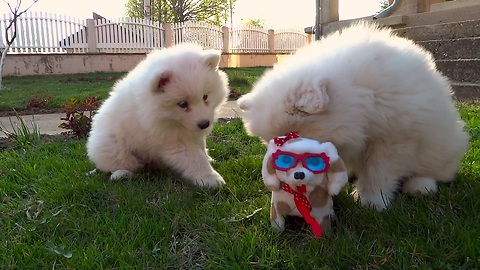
{"x":375,"y":200}
{"x":420,"y":186}
{"x":119,"y":174}
{"x":211,"y":180}
{"x":92,"y":172}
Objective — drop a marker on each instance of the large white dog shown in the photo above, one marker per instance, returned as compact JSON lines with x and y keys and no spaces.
{"x":379,"y":98}
{"x":160,"y":115}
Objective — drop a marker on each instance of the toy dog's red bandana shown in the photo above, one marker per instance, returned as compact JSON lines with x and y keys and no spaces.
{"x":304,"y":207}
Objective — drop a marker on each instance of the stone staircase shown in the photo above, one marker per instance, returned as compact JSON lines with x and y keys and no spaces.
{"x":456,"y":48}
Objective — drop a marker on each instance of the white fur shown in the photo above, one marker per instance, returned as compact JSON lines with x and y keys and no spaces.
{"x":142,"y":123}
{"x":378,"y":98}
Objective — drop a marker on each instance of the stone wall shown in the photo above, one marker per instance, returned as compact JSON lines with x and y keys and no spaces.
{"x":47,"y":64}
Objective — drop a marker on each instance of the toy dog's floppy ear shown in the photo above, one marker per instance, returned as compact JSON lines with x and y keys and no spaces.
{"x":312,"y":100}
{"x":268,"y":172}
{"x":337,"y":173}
{"x":337,"y":176}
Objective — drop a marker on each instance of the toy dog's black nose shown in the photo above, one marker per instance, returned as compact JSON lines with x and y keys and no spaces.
{"x":299,"y":175}
{"x":203,"y":124}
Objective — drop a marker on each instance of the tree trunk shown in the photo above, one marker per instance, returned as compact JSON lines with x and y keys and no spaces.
{"x":2,"y":63}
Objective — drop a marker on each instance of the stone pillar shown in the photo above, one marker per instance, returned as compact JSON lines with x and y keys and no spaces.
{"x":271,"y":40}
{"x":91,"y":36}
{"x":168,"y":35}
{"x":416,"y":6}
{"x":226,"y":39}
{"x":308,"y":38}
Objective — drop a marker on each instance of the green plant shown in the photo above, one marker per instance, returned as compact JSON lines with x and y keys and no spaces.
{"x":38,"y":102}
{"x":76,"y":120}
{"x":20,"y":133}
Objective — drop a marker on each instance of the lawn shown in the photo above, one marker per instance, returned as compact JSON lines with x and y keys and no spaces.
{"x":54,"y":90}
{"x":55,"y":216}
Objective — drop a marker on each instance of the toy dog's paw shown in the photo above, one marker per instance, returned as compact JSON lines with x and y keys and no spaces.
{"x":328,"y":224}
{"x":278,"y":224}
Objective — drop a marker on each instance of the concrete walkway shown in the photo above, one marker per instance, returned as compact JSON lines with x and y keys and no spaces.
{"x":48,"y":123}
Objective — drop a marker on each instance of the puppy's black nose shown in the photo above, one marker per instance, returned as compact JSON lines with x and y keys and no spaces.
{"x":299,"y":175}
{"x":203,"y":124}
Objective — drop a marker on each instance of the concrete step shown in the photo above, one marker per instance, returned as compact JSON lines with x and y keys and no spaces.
{"x":465,"y":13}
{"x":464,"y":91}
{"x":461,"y":70}
{"x":454,"y":30}
{"x":452,"y":4}
{"x":448,"y":49}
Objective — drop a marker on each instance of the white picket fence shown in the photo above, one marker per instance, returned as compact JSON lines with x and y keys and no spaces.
{"x":43,"y":33}
{"x":289,"y":40}
{"x":248,"y":39}
{"x":209,"y":36}
{"x":128,"y":35}
{"x":53,"y":33}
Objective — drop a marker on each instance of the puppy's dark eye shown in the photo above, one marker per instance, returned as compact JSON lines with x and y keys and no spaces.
{"x":183,"y":104}
{"x":205,"y":97}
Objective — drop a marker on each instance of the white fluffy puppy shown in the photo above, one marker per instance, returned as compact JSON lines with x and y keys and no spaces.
{"x":160,"y":115}
{"x":378,"y":97}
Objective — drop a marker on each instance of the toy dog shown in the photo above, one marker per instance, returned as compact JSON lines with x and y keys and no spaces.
{"x":303,"y":175}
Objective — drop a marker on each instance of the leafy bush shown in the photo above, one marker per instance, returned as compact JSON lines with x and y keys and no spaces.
{"x":76,"y":120}
{"x":38,"y":102}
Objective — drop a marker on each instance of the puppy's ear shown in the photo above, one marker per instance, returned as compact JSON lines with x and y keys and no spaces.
{"x":337,"y":176}
{"x":313,"y":99}
{"x":164,"y":79}
{"x":211,"y":59}
{"x":268,"y":172}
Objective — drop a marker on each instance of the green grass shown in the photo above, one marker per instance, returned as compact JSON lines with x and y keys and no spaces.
{"x":20,"y":90}
{"x":242,"y":79}
{"x":52,"y":215}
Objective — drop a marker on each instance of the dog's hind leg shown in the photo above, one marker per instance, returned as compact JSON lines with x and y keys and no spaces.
{"x":112,"y":156}
{"x":379,"y":179}
{"x":375,"y":190}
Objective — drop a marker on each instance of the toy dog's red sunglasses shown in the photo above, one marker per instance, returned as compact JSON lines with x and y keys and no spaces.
{"x":316,"y":163}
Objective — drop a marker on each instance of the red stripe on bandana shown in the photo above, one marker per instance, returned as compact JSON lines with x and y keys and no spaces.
{"x":304,"y":207}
